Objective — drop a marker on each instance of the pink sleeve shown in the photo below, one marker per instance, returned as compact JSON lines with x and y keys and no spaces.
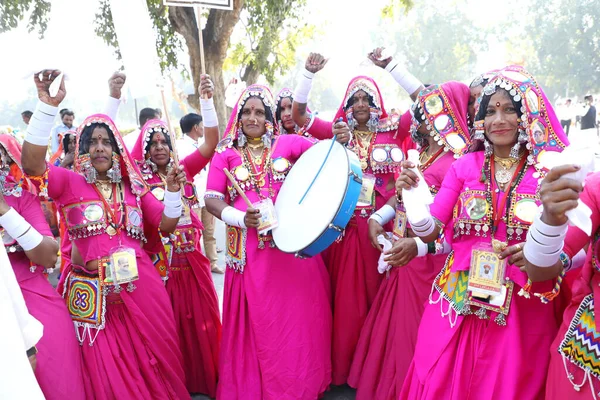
{"x":194,"y":163}
{"x":576,"y":239}
{"x":446,"y":199}
{"x":62,"y":184}
{"x":31,"y":210}
{"x":320,"y":129}
{"x":299,"y":144}
{"x":217,"y":180}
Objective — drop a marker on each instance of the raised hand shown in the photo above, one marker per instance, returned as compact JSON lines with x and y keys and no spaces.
{"x":176,"y":179}
{"x":43,"y":80}
{"x":559,"y":194}
{"x":315,"y":62}
{"x":115,"y":84}
{"x":375,"y":57}
{"x":207,"y":87}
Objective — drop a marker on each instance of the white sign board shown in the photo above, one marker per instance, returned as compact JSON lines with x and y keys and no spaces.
{"x":220,"y":4}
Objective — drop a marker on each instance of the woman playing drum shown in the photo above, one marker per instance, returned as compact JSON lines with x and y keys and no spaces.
{"x":276,"y":309}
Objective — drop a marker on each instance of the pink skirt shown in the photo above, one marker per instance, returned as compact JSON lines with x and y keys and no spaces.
{"x":388,"y":338}
{"x":478,"y":359}
{"x":137,"y":354}
{"x":196,"y":308}
{"x":59,"y":370}
{"x":352,"y":265}
{"x":276,"y":329}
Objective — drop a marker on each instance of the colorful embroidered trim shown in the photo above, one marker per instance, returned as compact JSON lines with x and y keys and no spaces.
{"x":236,"y":248}
{"x":386,"y":158}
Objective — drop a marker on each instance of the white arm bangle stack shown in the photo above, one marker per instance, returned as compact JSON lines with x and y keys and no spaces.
{"x":40,"y":124}
{"x":20,"y":230}
{"x":303,"y":88}
{"x":209,"y":114}
{"x":404,"y":78}
{"x":384,"y":215}
{"x":233,"y":216}
{"x":173,"y":205}
{"x":544,"y":243}
{"x":422,"y":248}
{"x":111,"y":107}
{"x":423,"y":228}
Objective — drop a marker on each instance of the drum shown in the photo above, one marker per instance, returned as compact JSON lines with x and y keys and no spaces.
{"x":317,"y":199}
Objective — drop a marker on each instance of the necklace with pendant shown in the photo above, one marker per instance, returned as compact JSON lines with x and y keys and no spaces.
{"x":106,"y":189}
{"x":363,"y":144}
{"x":504,"y":174}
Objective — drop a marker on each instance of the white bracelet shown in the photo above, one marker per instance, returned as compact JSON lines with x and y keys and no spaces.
{"x":384,"y":215}
{"x":424,"y":227}
{"x":111,"y":107}
{"x":40,"y":124}
{"x":233,"y":216}
{"x":303,"y":88}
{"x":20,"y":230}
{"x":404,"y":78}
{"x":422,"y":248}
{"x":209,"y":114}
{"x":544,"y":243}
{"x":31,"y":239}
{"x":173,"y":205}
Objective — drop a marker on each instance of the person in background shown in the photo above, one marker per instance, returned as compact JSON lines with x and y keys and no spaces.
{"x":588,"y":115}
{"x":66,"y":117}
{"x":193,"y":130}
{"x":26,"y":115}
{"x":566,"y":116}
{"x":158,"y":112}
{"x":146,"y":114}
{"x":20,"y":333}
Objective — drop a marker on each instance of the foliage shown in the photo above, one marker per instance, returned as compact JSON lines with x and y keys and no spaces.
{"x":13,"y":11}
{"x":390,"y":11}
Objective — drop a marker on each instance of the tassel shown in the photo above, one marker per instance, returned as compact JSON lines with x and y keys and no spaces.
{"x":500,"y":320}
{"x":482,"y":314}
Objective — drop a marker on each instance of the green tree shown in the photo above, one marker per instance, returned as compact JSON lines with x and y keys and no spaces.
{"x":273,"y":34}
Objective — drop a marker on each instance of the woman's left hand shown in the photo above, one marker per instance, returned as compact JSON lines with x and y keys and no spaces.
{"x":514,"y":254}
{"x":176,"y":179}
{"x":402,"y":252}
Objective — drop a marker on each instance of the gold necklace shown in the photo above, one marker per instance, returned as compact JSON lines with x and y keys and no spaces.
{"x":257,"y":159}
{"x":504,"y":174}
{"x":256,"y":146}
{"x":105,"y":188}
{"x":363,"y":140}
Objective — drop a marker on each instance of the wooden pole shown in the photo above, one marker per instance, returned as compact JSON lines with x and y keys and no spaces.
{"x":171,"y":133}
{"x":200,"y":40}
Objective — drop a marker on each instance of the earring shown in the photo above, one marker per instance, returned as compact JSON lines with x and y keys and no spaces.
{"x":351,"y":121}
{"x":151,"y":165}
{"x":373,"y":122}
{"x":87,"y":169}
{"x":114,"y":173}
{"x":267,"y":137}
{"x":488,"y":147}
{"x":241,"y":138}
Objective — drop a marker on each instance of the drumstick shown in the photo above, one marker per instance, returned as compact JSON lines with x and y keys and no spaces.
{"x":238,"y":188}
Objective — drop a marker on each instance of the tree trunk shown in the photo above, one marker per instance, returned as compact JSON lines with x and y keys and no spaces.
{"x":216,"y":37}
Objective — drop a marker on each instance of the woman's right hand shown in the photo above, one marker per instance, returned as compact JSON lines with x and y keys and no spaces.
{"x":252,"y":218}
{"x":375,"y":57}
{"x":43,"y":86}
{"x":407,"y":179}
{"x":375,"y":229}
{"x":559,"y":194}
{"x":315,"y":62}
{"x":341,"y":132}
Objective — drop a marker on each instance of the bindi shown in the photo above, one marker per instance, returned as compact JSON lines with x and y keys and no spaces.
{"x":498,"y":104}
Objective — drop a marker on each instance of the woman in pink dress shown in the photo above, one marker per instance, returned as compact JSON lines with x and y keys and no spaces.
{"x":386,"y":345}
{"x":118,"y":304}
{"x":574,"y":371}
{"x":276,"y":308}
{"x":483,"y":325}
{"x":363,"y":123}
{"x":58,"y":371}
{"x":189,"y":284}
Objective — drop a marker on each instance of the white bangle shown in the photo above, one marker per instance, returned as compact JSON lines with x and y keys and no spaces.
{"x":303,"y":88}
{"x":424,"y":227}
{"x":209,"y":114}
{"x":233,"y":216}
{"x":19,"y":229}
{"x":404,"y":78}
{"x":384,"y":215}
{"x":422,"y":248}
{"x":40,"y":124}
{"x":544,"y":243}
{"x":111,"y":107}
{"x":173,"y":205}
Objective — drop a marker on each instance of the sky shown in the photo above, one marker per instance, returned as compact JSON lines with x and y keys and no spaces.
{"x":346,"y":34}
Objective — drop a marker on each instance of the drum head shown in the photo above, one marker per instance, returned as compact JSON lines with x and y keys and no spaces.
{"x":301,"y":224}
